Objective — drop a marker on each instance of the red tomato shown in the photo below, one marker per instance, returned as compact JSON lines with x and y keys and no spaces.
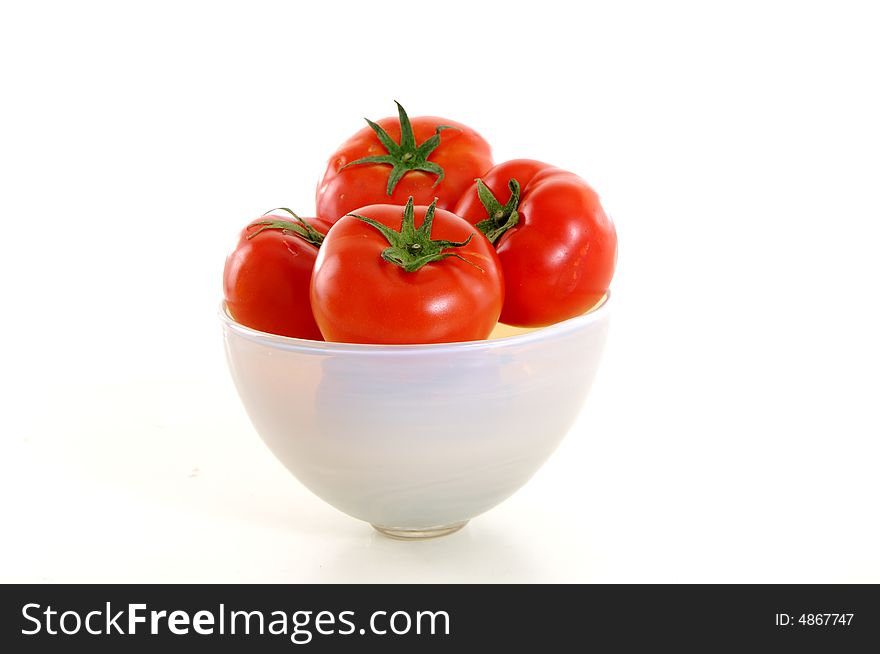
{"x":388,"y":162}
{"x":266,"y":278}
{"x":380,"y":279}
{"x":557,"y":247}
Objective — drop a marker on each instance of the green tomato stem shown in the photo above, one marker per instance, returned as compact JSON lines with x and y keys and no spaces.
{"x":501,"y":218}
{"x":301,"y":228}
{"x":412,"y":248}
{"x":406,"y":155}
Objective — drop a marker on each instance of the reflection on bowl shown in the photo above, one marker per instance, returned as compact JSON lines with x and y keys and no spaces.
{"x":416,"y":439}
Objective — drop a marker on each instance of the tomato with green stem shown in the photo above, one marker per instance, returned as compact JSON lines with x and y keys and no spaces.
{"x":392,"y":274}
{"x":557,"y":247}
{"x":266,"y":277}
{"x":395,"y":158}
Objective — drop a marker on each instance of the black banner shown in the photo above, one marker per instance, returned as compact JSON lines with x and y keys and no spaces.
{"x":279,"y":618}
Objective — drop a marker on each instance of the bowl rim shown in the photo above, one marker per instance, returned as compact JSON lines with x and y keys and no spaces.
{"x":595,"y":314}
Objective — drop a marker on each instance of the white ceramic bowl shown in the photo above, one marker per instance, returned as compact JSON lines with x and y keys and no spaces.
{"x":416,"y":439}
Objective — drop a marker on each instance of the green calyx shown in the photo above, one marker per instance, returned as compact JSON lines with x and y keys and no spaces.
{"x":301,"y":228}
{"x":412,"y":248}
{"x":501,"y":218}
{"x":406,"y":155}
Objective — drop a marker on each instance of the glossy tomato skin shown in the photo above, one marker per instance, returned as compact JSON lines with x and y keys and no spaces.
{"x":358,"y":297}
{"x":559,"y":259}
{"x":266,"y":281}
{"x":463,"y":154}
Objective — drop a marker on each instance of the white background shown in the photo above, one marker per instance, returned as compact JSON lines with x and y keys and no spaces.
{"x":732,"y":432}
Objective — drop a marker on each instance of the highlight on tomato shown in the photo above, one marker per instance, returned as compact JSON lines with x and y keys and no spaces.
{"x":266,"y":277}
{"x":413,"y":274}
{"x":396,"y":158}
{"x":557,"y":247}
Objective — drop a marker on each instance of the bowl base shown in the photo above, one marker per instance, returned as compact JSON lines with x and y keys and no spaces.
{"x":420,"y":534}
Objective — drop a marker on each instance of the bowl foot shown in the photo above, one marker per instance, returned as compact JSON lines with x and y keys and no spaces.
{"x":420,"y":534}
